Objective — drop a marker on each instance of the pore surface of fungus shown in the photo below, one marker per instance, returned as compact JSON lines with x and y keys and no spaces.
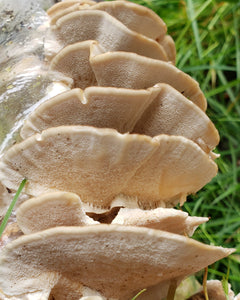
{"x":73,"y":61}
{"x":108,"y":31}
{"x":98,"y":164}
{"x":112,"y":259}
{"x":51,"y":210}
{"x":101,"y":107}
{"x":167,"y":219}
{"x":136,"y":17}
{"x":130,"y":70}
{"x":157,"y":110}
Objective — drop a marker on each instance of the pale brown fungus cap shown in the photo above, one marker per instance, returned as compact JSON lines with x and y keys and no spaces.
{"x":100,"y":26}
{"x":99,"y":164}
{"x":166,"y":219}
{"x":136,"y":17}
{"x":61,"y":6}
{"x":73,"y":61}
{"x":52,"y":210}
{"x":155,"y":111}
{"x":130,"y":70}
{"x":115,"y":260}
{"x":101,"y":107}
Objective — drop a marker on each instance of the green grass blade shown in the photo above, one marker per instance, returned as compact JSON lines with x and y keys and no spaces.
{"x":10,"y":209}
{"x":237,"y":43}
{"x":138,"y":294}
{"x":192,"y":17}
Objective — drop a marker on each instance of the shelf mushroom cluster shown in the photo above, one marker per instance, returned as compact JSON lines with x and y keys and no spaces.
{"x":107,"y":161}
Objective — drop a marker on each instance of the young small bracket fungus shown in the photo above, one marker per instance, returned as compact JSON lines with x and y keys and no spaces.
{"x":169,"y":47}
{"x":115,"y":260}
{"x":100,"y":26}
{"x":155,"y":111}
{"x":135,"y":17}
{"x":99,"y":164}
{"x":62,"y":8}
{"x":130,"y":70}
{"x":166,"y":219}
{"x":52,"y":210}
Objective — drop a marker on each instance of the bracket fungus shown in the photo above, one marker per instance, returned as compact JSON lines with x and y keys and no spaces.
{"x":108,"y":31}
{"x":157,"y":110}
{"x":134,"y":71}
{"x":99,"y":164}
{"x":118,"y":253}
{"x":136,"y":17}
{"x":160,"y":218}
{"x":52,"y":210}
{"x":106,"y":162}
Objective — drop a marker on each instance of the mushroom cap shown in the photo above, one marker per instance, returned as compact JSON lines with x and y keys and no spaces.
{"x":73,"y":61}
{"x":166,"y":219}
{"x":168,"y":45}
{"x":92,"y":298}
{"x":172,"y":113}
{"x":136,"y":17}
{"x":94,"y":163}
{"x":68,"y":289}
{"x":130,"y":70}
{"x":112,"y":259}
{"x":95,"y":106}
{"x":108,"y":31}
{"x":60,"y":9}
{"x":61,"y":6}
{"x":51,"y":210}
{"x":157,"y":110}
{"x":178,"y":167}
{"x":99,"y":164}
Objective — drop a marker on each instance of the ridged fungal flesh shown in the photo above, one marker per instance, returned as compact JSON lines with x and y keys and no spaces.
{"x":99,"y":164}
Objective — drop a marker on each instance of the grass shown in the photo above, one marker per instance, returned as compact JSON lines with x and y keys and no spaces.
{"x":11,"y":207}
{"x":207,"y":37}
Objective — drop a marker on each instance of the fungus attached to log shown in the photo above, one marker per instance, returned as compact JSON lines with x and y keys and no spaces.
{"x":106,"y":162}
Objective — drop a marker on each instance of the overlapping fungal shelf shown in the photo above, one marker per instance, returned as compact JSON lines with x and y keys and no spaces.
{"x":106,"y":163}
